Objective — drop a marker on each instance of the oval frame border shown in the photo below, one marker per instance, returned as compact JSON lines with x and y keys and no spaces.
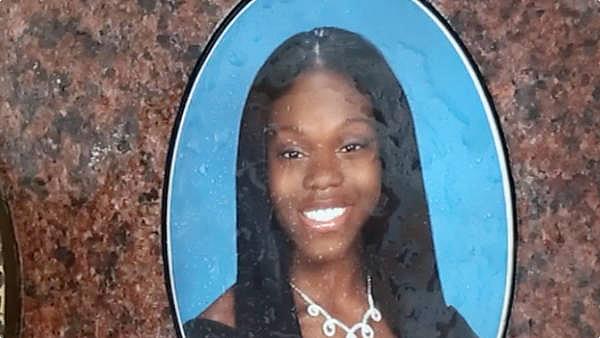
{"x":493,"y":122}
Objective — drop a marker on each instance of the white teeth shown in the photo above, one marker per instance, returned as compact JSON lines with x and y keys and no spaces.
{"x":324,"y":215}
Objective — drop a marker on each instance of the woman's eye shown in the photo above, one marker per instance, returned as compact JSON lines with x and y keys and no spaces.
{"x":351,"y":147}
{"x":292,"y":154}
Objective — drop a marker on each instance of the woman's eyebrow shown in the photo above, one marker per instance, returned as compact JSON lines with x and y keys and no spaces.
{"x":367,"y":120}
{"x":275,"y":128}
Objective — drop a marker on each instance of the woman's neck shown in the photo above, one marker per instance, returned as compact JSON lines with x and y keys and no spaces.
{"x":331,"y":282}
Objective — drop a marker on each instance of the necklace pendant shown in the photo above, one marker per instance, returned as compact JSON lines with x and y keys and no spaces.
{"x":330,"y":323}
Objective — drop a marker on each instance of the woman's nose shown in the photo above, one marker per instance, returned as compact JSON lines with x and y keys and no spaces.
{"x":323,"y":172}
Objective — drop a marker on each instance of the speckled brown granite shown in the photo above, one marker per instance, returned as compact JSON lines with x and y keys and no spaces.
{"x":88,"y":94}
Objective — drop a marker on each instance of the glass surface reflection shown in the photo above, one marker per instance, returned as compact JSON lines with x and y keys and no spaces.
{"x":330,"y":194}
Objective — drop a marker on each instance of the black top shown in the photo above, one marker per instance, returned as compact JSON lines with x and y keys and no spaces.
{"x":455,"y":327}
{"x":206,"y":328}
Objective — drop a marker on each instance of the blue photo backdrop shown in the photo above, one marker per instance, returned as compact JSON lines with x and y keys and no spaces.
{"x":463,"y":164}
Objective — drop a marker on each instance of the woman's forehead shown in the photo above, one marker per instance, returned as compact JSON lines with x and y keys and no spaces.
{"x":320,"y":94}
{"x":320,"y":78}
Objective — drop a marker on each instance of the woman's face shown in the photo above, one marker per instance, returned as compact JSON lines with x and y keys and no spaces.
{"x":323,"y":164}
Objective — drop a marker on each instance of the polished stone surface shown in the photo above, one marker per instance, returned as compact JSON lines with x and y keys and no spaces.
{"x":89,"y":91}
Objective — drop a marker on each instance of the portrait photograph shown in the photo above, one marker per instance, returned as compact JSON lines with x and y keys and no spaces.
{"x":337,"y":170}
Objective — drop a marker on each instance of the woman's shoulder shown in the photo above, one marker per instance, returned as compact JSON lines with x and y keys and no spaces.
{"x":205,"y":328}
{"x":223,"y":309}
{"x":218,"y":320}
{"x":456,"y":327}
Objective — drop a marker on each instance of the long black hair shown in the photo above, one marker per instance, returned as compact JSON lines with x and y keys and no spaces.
{"x":400,"y":255}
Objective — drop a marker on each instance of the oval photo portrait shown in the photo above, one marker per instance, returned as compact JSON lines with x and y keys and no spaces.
{"x":337,"y":170}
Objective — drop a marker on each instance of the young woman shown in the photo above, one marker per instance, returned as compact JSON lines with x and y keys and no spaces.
{"x":333,"y":237}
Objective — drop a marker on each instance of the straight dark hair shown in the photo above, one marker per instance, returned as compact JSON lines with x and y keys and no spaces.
{"x":398,"y":242}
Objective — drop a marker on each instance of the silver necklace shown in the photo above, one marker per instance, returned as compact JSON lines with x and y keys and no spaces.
{"x":329,"y":326}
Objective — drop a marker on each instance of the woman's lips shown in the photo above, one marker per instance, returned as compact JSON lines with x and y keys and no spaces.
{"x":324,"y":219}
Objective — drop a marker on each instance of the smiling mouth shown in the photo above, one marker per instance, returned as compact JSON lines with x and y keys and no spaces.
{"x":324,"y":215}
{"x":324,"y":218}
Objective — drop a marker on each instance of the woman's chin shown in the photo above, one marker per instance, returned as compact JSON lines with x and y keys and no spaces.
{"x":323,"y":254}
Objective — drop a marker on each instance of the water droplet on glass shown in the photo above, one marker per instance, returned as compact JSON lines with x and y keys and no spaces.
{"x":236,"y":59}
{"x":202,"y":169}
